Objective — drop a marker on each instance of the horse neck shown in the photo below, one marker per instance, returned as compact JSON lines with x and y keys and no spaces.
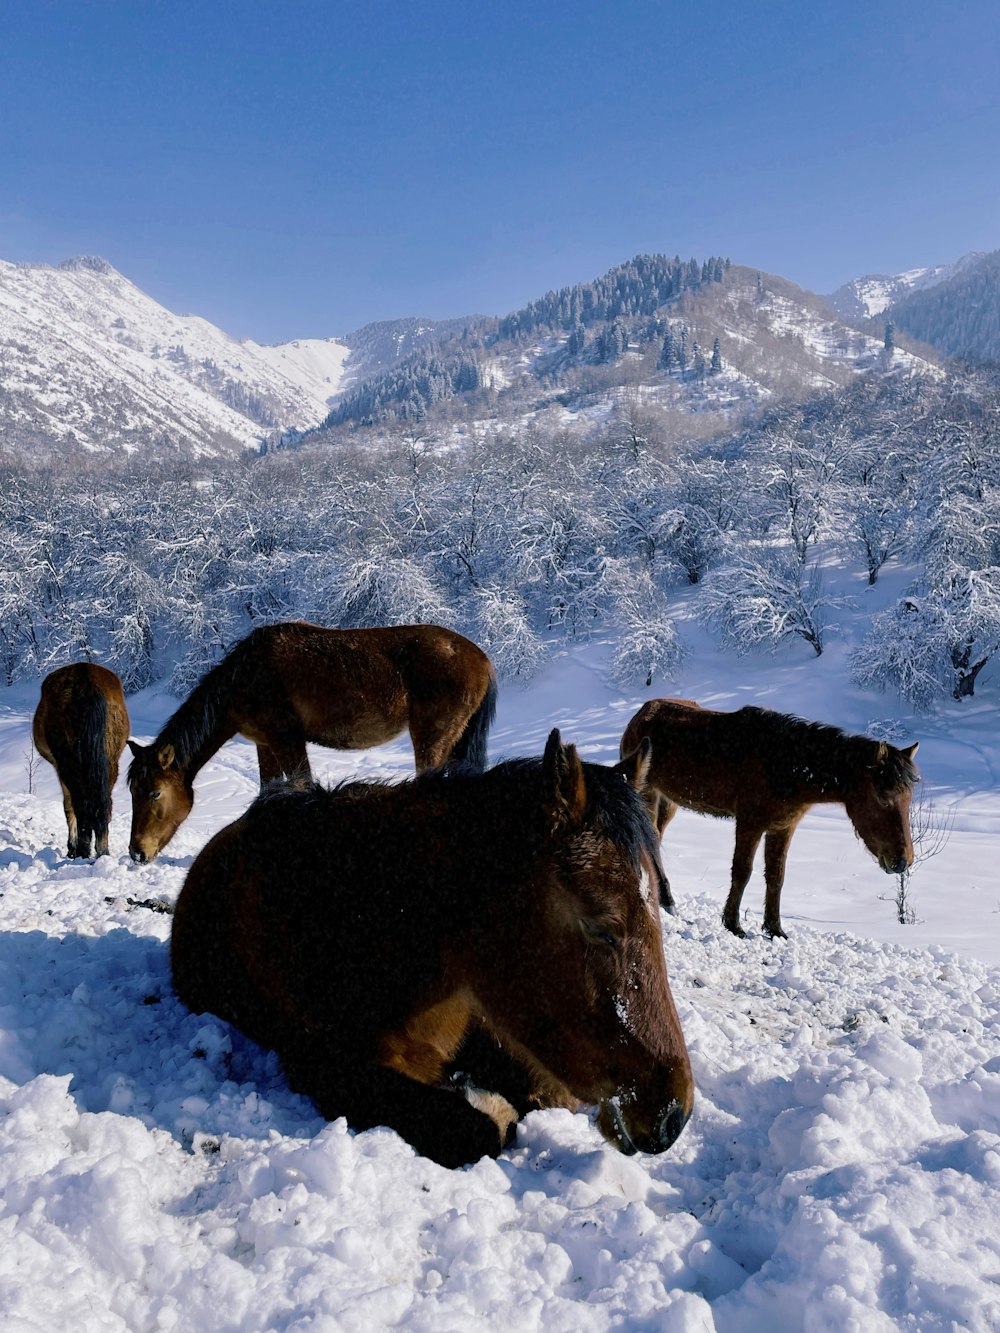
{"x":828,"y":772}
{"x":199,"y":727}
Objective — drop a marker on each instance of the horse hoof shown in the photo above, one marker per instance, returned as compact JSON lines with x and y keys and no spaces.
{"x":735,"y":928}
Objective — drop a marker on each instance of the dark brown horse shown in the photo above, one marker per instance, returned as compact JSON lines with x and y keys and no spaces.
{"x":765,"y":770}
{"x":284,"y":685}
{"x":377,"y":936}
{"x":81,"y":726}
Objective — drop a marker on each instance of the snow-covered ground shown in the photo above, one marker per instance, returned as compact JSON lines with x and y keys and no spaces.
{"x":841,"y":1170}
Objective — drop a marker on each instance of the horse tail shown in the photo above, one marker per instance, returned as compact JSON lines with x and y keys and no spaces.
{"x":90,"y":759}
{"x":470,"y":748}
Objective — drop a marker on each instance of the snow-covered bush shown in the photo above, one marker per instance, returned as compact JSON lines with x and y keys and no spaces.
{"x":936,"y":640}
{"x":761,"y":598}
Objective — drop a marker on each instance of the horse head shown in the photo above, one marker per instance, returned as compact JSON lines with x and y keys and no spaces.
{"x":162,"y":798}
{"x":878,"y":804}
{"x":589,"y":1003}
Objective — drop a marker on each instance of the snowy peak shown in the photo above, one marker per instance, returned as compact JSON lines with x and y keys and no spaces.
{"x":874,"y":294}
{"x":90,"y":362}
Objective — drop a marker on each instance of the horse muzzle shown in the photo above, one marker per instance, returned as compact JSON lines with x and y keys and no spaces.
{"x":898,"y":867}
{"x":630,"y":1135}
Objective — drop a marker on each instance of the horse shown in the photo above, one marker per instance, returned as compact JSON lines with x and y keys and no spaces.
{"x":765,"y":770}
{"x":80,"y":726}
{"x":407,"y":947}
{"x":286,"y":684}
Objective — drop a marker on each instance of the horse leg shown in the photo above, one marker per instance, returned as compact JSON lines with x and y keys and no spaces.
{"x":77,"y":845}
{"x":747,"y":842}
{"x":283,"y":758}
{"x":439,"y":1122}
{"x":775,"y":852}
{"x":432,"y":745}
{"x":661,"y":811}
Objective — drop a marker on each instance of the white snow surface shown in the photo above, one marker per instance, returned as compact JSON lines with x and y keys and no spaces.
{"x":85,"y":353}
{"x":841,"y":1170}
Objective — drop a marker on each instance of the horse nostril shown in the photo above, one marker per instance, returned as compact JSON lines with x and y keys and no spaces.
{"x":137,"y":855}
{"x":671,"y":1123}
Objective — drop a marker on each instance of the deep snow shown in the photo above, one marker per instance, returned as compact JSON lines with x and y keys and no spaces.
{"x":841,"y":1169}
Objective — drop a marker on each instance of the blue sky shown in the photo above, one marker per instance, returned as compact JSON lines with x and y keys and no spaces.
{"x":294,"y":169}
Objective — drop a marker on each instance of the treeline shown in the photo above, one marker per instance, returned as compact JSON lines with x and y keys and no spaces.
{"x":639,"y":287}
{"x":960,"y":317}
{"x":600,"y":319}
{"x":526,"y":538}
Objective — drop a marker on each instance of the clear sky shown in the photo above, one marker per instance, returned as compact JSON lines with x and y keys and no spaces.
{"x":297,"y":169}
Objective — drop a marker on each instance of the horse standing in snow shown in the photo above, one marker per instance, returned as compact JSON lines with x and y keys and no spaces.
{"x":765,"y":770}
{"x":81,"y":726}
{"x":284,"y":685}
{"x":381,"y":937}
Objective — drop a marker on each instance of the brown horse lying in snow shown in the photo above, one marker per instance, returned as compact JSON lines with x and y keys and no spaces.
{"x":284,"y":685}
{"x":81,"y":726}
{"x":378,"y":935}
{"x":765,"y":770}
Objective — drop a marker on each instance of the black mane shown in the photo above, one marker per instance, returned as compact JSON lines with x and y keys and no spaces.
{"x":793,"y":748}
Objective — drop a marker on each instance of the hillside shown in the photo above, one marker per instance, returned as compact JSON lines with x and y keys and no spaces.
{"x":960,"y":316}
{"x":702,"y":344}
{"x":91,"y":364}
{"x":876,"y":293}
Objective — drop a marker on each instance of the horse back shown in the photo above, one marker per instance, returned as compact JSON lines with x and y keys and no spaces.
{"x":265,"y":941}
{"x":703,"y":759}
{"x":81,"y":704}
{"x":353,"y":688}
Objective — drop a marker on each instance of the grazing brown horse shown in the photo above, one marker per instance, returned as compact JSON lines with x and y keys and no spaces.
{"x":81,"y":726}
{"x":284,"y":685}
{"x":377,"y":936}
{"x":765,"y":770}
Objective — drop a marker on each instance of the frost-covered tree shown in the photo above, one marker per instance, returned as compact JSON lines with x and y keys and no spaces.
{"x":936,"y":640}
{"x":764,"y":597}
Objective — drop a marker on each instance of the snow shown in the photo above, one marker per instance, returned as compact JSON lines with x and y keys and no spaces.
{"x":92,"y":354}
{"x":315,"y":364}
{"x":841,"y":1169}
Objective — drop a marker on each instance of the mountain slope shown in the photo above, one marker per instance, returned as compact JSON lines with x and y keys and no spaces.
{"x":693,"y":338}
{"x":876,"y":293}
{"x":90,"y":362}
{"x":960,"y":316}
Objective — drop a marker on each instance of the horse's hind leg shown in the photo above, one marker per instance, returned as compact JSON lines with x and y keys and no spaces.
{"x":747,"y":842}
{"x":79,"y":841}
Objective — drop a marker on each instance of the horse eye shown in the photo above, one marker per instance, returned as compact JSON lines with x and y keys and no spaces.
{"x":600,"y":935}
{"x":154,"y":795}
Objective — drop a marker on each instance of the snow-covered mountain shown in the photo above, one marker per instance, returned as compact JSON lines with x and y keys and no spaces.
{"x":573,"y":354}
{"x":90,"y":362}
{"x":91,"y":365}
{"x":874,"y":294}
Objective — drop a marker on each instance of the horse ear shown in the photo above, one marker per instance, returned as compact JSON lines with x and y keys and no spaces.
{"x":165,"y":755}
{"x":881,"y":754}
{"x":634,"y":767}
{"x":565,"y":788}
{"x":911,"y":750}
{"x":135,"y":747}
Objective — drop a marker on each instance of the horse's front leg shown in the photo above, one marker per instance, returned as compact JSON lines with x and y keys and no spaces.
{"x":661,"y":812}
{"x":282,"y":759}
{"x":440,"y":1123}
{"x":775,"y":854}
{"x":747,"y":841}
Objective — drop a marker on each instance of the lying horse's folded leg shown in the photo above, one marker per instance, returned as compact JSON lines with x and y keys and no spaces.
{"x":439,"y":1123}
